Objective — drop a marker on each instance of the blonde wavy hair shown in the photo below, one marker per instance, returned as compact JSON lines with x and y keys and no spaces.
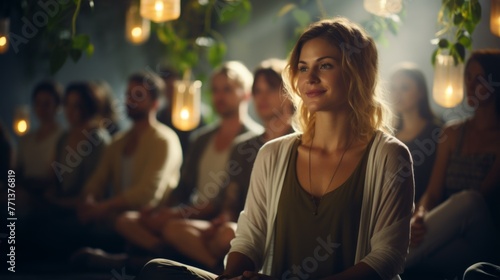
{"x":359,"y":66}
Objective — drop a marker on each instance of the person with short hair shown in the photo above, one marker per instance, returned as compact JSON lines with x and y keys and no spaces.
{"x":208,"y":241}
{"x":142,"y":164}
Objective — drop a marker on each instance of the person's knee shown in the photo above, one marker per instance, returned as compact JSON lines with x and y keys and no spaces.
{"x":224,"y":236}
{"x":171,"y":230}
{"x":470,"y":201}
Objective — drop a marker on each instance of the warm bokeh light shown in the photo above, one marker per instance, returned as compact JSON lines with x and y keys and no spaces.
{"x":186,"y":105}
{"x":21,"y":123}
{"x":448,"y":82}
{"x":383,"y":8}
{"x":184,"y":114}
{"x":495,"y":17}
{"x":159,"y":6}
{"x":137,"y":29}
{"x":161,"y":10}
{"x":22,"y":127}
{"x":4,"y":37}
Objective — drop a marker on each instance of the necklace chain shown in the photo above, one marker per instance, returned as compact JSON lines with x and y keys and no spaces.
{"x":316,"y":203}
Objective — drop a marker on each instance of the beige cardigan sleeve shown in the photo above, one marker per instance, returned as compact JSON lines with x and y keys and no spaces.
{"x":384,"y":231}
{"x":383,"y":235}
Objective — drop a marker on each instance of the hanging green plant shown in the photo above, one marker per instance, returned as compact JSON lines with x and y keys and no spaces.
{"x":72,"y":46}
{"x":376,"y":26}
{"x":192,"y":37}
{"x":458,"y":19}
{"x":379,"y":26}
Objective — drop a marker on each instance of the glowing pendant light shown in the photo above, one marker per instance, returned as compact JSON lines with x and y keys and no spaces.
{"x":383,"y":8}
{"x":448,"y":88}
{"x":186,"y":105}
{"x":137,"y":29}
{"x":161,"y":10}
{"x":495,"y":17}
{"x":4,"y":35}
{"x":21,"y":122}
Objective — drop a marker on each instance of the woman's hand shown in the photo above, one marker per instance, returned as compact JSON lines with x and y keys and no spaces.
{"x":418,"y":228}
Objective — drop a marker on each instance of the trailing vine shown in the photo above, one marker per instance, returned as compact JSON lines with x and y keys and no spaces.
{"x":458,"y":19}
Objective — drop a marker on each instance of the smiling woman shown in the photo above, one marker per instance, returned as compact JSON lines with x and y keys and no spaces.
{"x":334,"y":200}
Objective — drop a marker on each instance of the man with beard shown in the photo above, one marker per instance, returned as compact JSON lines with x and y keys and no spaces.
{"x":206,"y":170}
{"x":141,"y":166}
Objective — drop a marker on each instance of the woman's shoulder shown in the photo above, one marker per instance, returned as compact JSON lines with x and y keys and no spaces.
{"x":281,"y":143}
{"x":386,"y":145}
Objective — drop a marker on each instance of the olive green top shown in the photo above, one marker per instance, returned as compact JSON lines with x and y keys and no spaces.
{"x":311,"y":245}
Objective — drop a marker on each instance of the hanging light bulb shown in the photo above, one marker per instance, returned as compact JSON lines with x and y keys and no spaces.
{"x":4,"y":35}
{"x":161,"y":10}
{"x":186,"y":105}
{"x":21,"y":123}
{"x":448,"y":89}
{"x":383,"y":8}
{"x":137,"y":29}
{"x":495,"y":17}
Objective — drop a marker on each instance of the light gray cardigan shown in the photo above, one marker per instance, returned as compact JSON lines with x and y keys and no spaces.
{"x":387,"y":207}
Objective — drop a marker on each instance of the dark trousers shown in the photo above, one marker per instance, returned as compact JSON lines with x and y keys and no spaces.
{"x":166,"y":269}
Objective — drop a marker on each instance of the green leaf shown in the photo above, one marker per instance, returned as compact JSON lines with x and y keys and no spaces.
{"x":382,"y":40}
{"x":466,"y":41}
{"x":57,"y":59}
{"x":75,"y":55}
{"x":232,"y":10}
{"x":392,"y":26}
{"x":469,"y":26}
{"x":302,"y":17}
{"x":216,"y":53}
{"x":476,"y":13}
{"x":81,"y":42}
{"x":433,"y":57}
{"x":443,"y":43}
{"x":457,"y":19}
{"x":460,"y":51}
{"x":285,"y":9}
{"x":90,"y":50}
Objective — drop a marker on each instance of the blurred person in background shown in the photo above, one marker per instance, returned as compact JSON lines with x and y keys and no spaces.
{"x":416,"y":126}
{"x":207,"y":242}
{"x":140,"y":167}
{"x":453,"y":226}
{"x":36,"y":149}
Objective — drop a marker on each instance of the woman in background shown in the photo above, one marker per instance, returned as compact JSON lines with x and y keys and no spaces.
{"x":453,"y":227}
{"x":80,"y":147}
{"x":416,"y":125}
{"x":36,"y":149}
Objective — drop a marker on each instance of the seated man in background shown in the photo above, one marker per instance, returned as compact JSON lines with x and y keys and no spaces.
{"x":142,"y":165}
{"x":207,"y":242}
{"x":203,"y":177}
{"x":204,"y":172}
